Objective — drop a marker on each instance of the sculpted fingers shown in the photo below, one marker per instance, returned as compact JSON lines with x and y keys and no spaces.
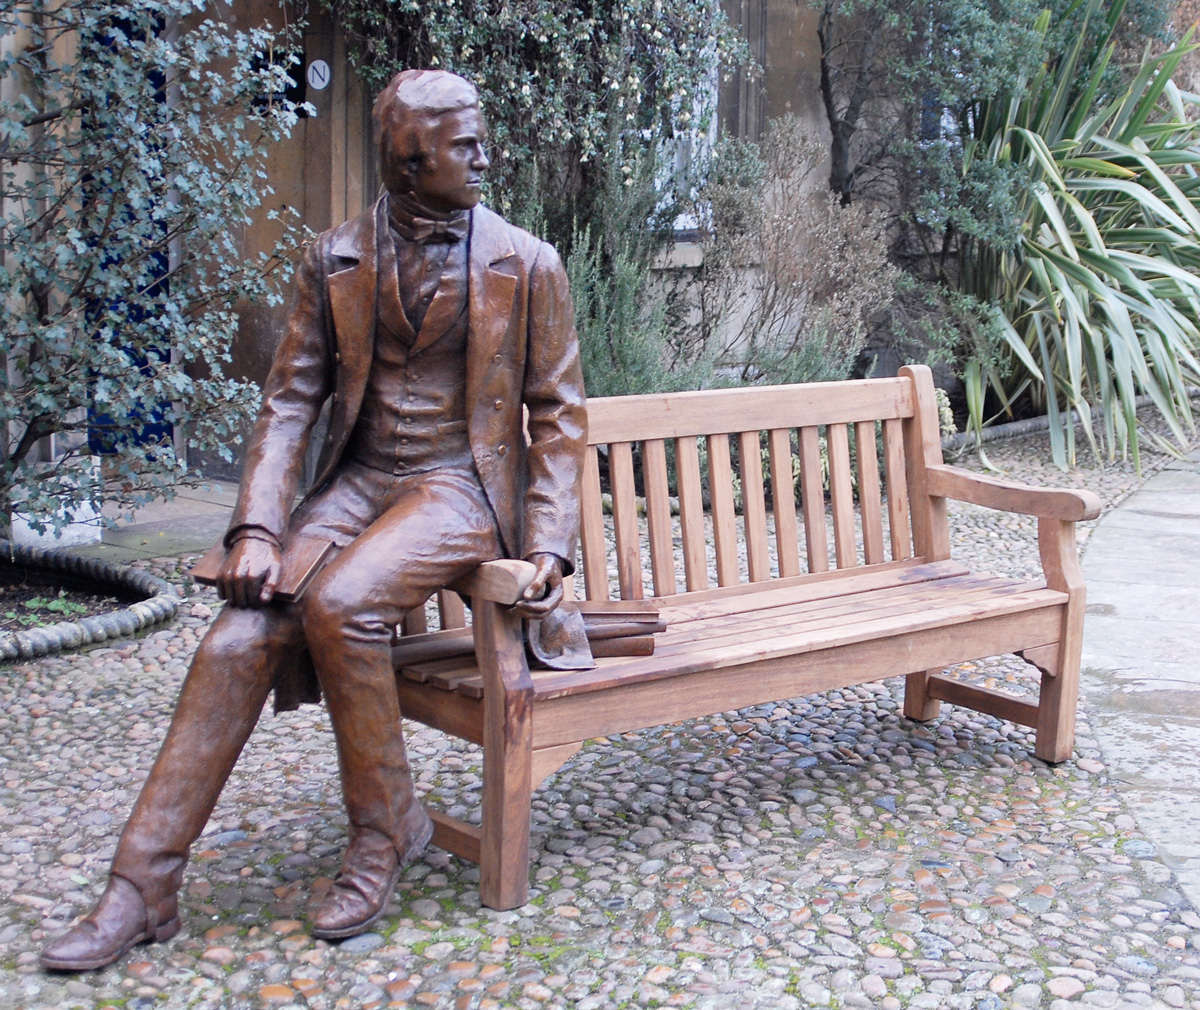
{"x":250,"y":574}
{"x":545,"y":592}
{"x":270,"y":583}
{"x":540,"y":608}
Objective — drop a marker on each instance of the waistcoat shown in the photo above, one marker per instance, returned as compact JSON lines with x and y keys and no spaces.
{"x":414,"y":416}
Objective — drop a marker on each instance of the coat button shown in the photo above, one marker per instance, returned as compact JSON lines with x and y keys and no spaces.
{"x":499,"y":404}
{"x":501,"y":450}
{"x":337,"y":357}
{"x":497,"y":360}
{"x":335,"y":398}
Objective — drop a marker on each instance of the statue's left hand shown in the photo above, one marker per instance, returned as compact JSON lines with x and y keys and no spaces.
{"x":545,"y":592}
{"x":250,"y":573}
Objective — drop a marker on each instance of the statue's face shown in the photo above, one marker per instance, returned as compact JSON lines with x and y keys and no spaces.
{"x":448,"y":178}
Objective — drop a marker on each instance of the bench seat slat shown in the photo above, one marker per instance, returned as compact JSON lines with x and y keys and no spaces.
{"x":805,"y":589}
{"x":441,"y":653}
{"x":692,"y":634}
{"x":928,"y":617}
{"x":794,"y":629}
{"x":807,"y":618}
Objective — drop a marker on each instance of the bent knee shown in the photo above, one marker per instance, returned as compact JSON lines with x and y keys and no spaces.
{"x":350,"y":609}
{"x":240,"y":633}
{"x":332,"y":608}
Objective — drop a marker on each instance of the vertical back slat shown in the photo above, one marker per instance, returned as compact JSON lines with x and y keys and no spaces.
{"x":591,"y":530}
{"x":658,"y":515}
{"x":625,"y":521}
{"x":724,"y":520}
{"x":812,"y":499}
{"x":897,"y":488}
{"x":691,"y":514}
{"x":783,"y":502}
{"x":754,"y":506}
{"x":451,"y":609}
{"x":841,"y":493}
{"x":868,"y":492}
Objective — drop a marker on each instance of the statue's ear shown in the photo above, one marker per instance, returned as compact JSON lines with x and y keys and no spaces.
{"x":401,"y":175}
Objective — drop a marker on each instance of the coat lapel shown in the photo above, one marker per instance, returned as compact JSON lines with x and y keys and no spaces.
{"x":490,"y":291}
{"x":389,"y":309}
{"x":352,"y":293}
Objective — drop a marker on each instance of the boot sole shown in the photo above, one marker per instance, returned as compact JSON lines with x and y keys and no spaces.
{"x":161,"y":933}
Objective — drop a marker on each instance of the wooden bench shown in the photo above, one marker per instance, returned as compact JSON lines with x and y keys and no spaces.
{"x":779,"y":622}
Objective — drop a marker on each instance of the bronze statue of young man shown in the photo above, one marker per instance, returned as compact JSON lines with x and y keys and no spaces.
{"x":428,"y":323}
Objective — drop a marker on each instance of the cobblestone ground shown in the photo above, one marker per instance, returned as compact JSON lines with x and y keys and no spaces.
{"x":820,"y":852}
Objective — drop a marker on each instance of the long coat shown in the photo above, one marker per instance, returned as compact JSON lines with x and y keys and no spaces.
{"x":521,"y":351}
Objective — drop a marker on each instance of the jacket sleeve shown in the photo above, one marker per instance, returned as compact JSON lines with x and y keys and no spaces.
{"x":300,"y":380}
{"x":554,"y":396}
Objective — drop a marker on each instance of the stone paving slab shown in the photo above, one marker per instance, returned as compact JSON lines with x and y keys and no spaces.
{"x":193,"y":520}
{"x":1142,"y":663}
{"x":819,"y":852}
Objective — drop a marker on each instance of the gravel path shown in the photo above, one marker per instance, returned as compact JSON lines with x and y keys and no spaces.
{"x":820,"y":852}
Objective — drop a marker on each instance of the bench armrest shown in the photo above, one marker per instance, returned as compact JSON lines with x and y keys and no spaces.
{"x":1008,"y":496}
{"x":498,"y":581}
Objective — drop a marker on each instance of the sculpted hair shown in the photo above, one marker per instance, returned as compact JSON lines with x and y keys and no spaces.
{"x":407,"y":110}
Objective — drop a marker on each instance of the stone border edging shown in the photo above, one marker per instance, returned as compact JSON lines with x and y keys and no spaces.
{"x":961,"y":441}
{"x":161,"y":603}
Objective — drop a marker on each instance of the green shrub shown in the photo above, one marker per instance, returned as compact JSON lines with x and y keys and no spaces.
{"x":1098,"y":299}
{"x":133,"y":157}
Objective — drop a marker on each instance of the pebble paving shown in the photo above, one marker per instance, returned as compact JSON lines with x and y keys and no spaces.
{"x":823,"y":852}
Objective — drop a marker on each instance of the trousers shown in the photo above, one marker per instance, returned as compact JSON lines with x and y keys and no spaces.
{"x":401,"y":537}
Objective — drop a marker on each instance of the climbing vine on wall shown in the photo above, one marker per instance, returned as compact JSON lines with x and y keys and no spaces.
{"x":571,"y":88}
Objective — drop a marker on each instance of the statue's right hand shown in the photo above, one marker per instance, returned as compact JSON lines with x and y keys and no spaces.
{"x":250,"y":574}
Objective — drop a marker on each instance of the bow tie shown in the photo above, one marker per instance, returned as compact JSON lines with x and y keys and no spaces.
{"x":425,"y":231}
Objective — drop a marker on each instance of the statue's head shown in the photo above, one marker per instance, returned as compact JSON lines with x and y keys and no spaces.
{"x":431,"y":139}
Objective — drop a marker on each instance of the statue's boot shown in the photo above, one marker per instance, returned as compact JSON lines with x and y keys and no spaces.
{"x":121,"y":920}
{"x":222,"y":697}
{"x":360,"y":893}
{"x":351,"y":649}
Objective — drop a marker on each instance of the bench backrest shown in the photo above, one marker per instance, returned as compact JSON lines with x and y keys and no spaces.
{"x":670,"y":460}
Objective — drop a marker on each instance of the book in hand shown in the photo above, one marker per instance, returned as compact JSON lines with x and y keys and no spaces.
{"x":303,"y":558}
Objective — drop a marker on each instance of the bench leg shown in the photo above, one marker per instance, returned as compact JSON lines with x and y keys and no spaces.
{"x":1057,"y":702}
{"x":507,"y":757}
{"x":918,"y":705}
{"x":1060,"y":684}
